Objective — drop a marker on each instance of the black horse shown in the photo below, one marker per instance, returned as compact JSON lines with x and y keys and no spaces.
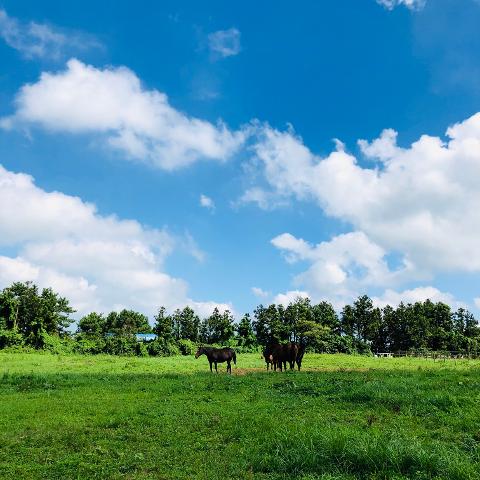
{"x":218,"y":355}
{"x":280,"y":354}
{"x":268,"y":355}
{"x":283,"y":354}
{"x":300,"y":354}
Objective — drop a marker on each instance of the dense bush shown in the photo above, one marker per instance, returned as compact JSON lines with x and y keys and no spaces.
{"x":187,"y":347}
{"x":248,"y":349}
{"x":89,"y":346}
{"x":51,"y":343}
{"x":141,"y":349}
{"x":10,"y":338}
{"x":161,"y":348}
{"x":118,"y":345}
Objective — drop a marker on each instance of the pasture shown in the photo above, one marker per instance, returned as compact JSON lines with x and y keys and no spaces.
{"x":342,"y":417}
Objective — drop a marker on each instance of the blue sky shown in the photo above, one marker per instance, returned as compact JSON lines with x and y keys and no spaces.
{"x":177,"y":153}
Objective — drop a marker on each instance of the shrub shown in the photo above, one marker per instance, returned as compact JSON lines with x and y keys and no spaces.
{"x":10,"y":338}
{"x":362,"y":348}
{"x":248,"y":349}
{"x":50,"y":343}
{"x":162,"y":348}
{"x":141,"y":349}
{"x":187,"y":347}
{"x":89,"y":346}
{"x":120,"y":345}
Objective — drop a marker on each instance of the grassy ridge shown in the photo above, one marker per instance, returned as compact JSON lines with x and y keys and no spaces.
{"x":345,"y":417}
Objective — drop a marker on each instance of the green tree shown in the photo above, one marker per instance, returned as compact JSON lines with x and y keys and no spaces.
{"x":127,"y":323}
{"x":185,"y":324}
{"x":324,"y":314}
{"x":260,"y":325}
{"x":163,"y":327}
{"x":245,"y":332}
{"x":26,"y":310}
{"x":348,"y":320}
{"x":92,"y":325}
{"x":221,"y":326}
{"x":297,"y":312}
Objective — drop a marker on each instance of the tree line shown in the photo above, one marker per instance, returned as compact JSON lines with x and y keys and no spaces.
{"x":41,"y":318}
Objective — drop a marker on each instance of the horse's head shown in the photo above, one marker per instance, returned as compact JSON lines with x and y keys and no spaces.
{"x":268,"y":357}
{"x":200,"y":351}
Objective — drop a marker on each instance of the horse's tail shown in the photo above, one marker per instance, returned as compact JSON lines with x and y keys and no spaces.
{"x":234,"y":358}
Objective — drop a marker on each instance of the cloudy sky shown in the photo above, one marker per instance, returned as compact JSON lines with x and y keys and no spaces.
{"x":175,"y":153}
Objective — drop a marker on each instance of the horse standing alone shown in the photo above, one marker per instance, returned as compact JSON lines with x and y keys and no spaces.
{"x":218,"y":355}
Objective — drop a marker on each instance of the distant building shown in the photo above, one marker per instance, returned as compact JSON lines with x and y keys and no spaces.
{"x":145,"y":337}
{"x":140,"y":337}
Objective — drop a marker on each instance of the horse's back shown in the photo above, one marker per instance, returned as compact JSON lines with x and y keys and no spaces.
{"x":222,"y":354}
{"x":287,"y":352}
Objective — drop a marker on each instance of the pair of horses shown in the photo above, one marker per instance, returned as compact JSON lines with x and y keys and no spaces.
{"x":277,"y":355}
{"x":218,"y":355}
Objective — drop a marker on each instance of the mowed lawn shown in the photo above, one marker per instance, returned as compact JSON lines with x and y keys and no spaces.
{"x":343,"y":417}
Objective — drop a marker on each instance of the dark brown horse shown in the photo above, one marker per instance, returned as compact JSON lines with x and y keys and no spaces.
{"x":300,"y":354}
{"x":218,"y":355}
{"x":268,"y":355}
{"x":283,"y":354}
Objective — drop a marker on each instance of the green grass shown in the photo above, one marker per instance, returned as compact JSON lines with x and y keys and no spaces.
{"x":344,"y":417}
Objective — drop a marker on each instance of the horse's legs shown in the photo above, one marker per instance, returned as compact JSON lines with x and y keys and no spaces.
{"x":216,"y":367}
{"x":229,"y":367}
{"x":211,"y":367}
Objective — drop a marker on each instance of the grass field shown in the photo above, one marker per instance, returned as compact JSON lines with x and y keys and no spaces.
{"x":344,"y":417}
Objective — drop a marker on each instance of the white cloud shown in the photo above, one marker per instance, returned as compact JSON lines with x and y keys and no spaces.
{"x":476,"y":301}
{"x":99,"y":262}
{"x":207,"y":202}
{"x":342,"y":268}
{"x":225,"y":43}
{"x":111,"y":102}
{"x":345,"y":267}
{"x":411,"y":4}
{"x":260,"y":293}
{"x":421,"y":202}
{"x":419,"y":294}
{"x":289,"y":297}
{"x":263,"y":199}
{"x":37,"y":40}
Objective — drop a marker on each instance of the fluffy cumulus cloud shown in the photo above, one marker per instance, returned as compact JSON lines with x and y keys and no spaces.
{"x":260,"y":293}
{"x":291,"y":296}
{"x":419,"y":294}
{"x":99,"y":262}
{"x":419,"y":202}
{"x":37,"y":40}
{"x":411,"y":4}
{"x":225,"y":43}
{"x":207,"y":202}
{"x":112,"y":103}
{"x":342,"y":268}
{"x":410,"y":201}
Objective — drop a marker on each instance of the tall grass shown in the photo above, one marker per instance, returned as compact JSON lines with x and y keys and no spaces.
{"x":169,"y":418}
